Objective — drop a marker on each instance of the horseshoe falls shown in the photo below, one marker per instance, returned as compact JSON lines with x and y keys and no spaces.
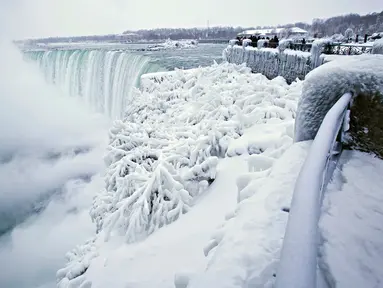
{"x":103,"y":79}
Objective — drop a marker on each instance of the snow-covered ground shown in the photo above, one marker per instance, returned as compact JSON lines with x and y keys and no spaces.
{"x":351,"y":223}
{"x":216,"y":138}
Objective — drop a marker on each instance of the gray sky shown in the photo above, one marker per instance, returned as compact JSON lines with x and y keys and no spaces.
{"x":37,"y":18}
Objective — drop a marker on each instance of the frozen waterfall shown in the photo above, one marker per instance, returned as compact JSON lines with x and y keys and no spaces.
{"x":103,"y":79}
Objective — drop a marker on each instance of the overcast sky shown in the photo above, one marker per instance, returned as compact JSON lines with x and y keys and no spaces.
{"x":38,"y":18}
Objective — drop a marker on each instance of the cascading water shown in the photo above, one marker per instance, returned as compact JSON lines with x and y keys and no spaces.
{"x":51,"y":149}
{"x":103,"y":79}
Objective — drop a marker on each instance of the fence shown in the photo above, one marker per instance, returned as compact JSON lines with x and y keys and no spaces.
{"x":336,"y":48}
{"x":347,"y":49}
{"x":332,"y":49}
{"x":298,"y":263}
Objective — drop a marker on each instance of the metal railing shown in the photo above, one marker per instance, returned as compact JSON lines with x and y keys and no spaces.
{"x":298,"y":264}
{"x":346,"y":49}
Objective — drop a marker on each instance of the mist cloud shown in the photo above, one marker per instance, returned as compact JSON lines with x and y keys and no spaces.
{"x":49,"y":143}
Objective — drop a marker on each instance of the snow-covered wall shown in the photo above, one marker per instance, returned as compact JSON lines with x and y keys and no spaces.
{"x":323,"y":86}
{"x":270,"y":62}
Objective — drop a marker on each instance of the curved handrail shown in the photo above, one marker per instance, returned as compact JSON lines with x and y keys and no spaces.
{"x":298,"y":263}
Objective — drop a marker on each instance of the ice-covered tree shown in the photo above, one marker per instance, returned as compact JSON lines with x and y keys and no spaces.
{"x":337,"y":37}
{"x":349,"y":34}
{"x":148,"y":183}
{"x":285,"y":33}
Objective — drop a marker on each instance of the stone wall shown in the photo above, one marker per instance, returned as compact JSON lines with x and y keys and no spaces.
{"x":366,"y":125}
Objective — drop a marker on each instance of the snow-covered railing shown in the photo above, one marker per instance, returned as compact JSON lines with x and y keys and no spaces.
{"x":298,"y":263}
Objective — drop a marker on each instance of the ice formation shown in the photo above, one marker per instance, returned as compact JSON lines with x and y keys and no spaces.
{"x":317,"y":49}
{"x":172,"y":44}
{"x":327,"y":83}
{"x":164,"y":155}
{"x":284,"y":44}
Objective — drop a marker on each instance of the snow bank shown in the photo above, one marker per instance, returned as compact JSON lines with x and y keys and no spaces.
{"x":270,"y":62}
{"x":351,"y":223}
{"x":327,"y":83}
{"x":248,"y":245}
{"x":163,"y":158}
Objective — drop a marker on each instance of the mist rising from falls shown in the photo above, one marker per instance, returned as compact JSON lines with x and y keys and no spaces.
{"x":103,"y":79}
{"x":51,"y":149}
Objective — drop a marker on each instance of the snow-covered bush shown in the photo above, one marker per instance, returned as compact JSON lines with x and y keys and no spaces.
{"x":326,"y":84}
{"x":349,"y":33}
{"x":78,"y":262}
{"x":377,"y":47}
{"x":337,"y":38}
{"x":150,"y":182}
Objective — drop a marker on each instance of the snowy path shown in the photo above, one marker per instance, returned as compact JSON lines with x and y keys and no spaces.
{"x":174,"y":248}
{"x":352,"y":222}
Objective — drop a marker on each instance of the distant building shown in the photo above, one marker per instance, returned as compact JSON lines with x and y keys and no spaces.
{"x":294,"y":31}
